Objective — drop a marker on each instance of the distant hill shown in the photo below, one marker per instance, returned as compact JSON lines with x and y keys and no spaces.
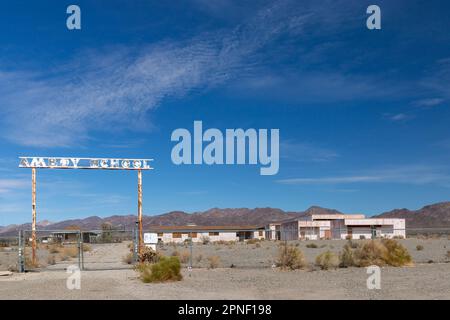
{"x":431,"y":216}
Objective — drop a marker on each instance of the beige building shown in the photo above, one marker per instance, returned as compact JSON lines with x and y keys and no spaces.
{"x":340,"y":226}
{"x":178,"y":234}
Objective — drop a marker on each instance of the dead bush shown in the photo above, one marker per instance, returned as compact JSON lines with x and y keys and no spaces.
{"x":51,"y":260}
{"x":253,"y":241}
{"x":199,"y":257}
{"x":327,"y":260}
{"x":346,"y":258}
{"x":312,"y":246}
{"x":184,"y":256}
{"x":289,"y":257}
{"x":213,"y":262}
{"x":149,"y":255}
{"x":128,"y":259}
{"x":419,"y":247}
{"x":205,"y":240}
{"x":86,"y":247}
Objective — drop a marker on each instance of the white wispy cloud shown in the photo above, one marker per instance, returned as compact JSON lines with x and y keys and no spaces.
{"x":306,"y":152}
{"x":8,"y":185}
{"x":417,"y":175}
{"x":116,"y":89}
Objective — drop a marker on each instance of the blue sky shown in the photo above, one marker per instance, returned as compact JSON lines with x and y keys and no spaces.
{"x":363,"y":115}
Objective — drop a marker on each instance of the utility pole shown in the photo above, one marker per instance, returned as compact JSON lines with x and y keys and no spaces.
{"x":140,"y":242}
{"x":33,"y":223}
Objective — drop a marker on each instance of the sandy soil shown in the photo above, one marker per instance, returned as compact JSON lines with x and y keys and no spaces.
{"x":107,"y":277}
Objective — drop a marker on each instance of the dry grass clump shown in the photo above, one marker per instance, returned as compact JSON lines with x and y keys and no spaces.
{"x":184,"y":256}
{"x":166,"y":269}
{"x":448,"y":254}
{"x":213,"y":262}
{"x":327,"y":260}
{"x":128,"y":259}
{"x":385,"y":252}
{"x":86,"y":247}
{"x":51,"y":260}
{"x":289,"y":257}
{"x":312,"y":246}
{"x":253,"y":241}
{"x":419,"y":247}
{"x":199,"y":257}
{"x":65,"y":253}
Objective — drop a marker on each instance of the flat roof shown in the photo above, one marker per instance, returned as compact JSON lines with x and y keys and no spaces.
{"x":202,"y":228}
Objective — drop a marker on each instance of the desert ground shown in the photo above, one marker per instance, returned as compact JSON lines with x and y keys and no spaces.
{"x":244,"y":271}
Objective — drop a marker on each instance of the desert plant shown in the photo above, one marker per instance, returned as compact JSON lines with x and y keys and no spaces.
{"x":128,"y":259}
{"x":312,"y":246}
{"x":166,"y":269}
{"x":184,"y":256}
{"x":327,"y":260}
{"x":149,"y":255}
{"x":199,"y":257}
{"x":51,"y":260}
{"x":346,"y":257}
{"x":398,"y":255}
{"x":419,"y":247}
{"x":258,"y":245}
{"x":205,"y":240}
{"x":86,"y":247}
{"x":175,"y":253}
{"x":253,"y":241}
{"x":289,"y":257}
{"x":381,"y":252}
{"x":213,"y":262}
{"x":362,"y":237}
{"x":448,"y":254}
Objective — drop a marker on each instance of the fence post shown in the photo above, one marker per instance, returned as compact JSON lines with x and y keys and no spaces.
{"x":135,"y":243}
{"x":82,"y":250}
{"x":21,"y":266}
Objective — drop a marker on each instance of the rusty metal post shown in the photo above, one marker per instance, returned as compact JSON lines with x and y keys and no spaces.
{"x":140,"y":243}
{"x":33,"y":224}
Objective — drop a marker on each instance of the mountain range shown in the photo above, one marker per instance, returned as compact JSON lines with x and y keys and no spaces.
{"x":431,"y":216}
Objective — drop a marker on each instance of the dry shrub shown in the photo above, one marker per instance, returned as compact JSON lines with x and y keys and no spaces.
{"x":346,"y":257}
{"x":312,"y":246}
{"x":289,"y":257}
{"x":199,"y":257}
{"x":65,"y":253}
{"x":184,"y":256}
{"x":175,"y":253}
{"x":205,"y":240}
{"x":327,"y":260}
{"x":149,"y":255}
{"x":448,"y":255}
{"x":258,"y":245}
{"x":253,"y":241}
{"x":86,"y":247}
{"x":54,"y":248}
{"x":128,"y":259}
{"x":51,"y":260}
{"x":385,"y":252}
{"x":419,"y":247}
{"x":213,"y":262}
{"x":166,"y":269}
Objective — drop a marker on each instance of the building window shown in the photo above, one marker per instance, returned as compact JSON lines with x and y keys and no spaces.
{"x":176,"y":235}
{"x":213,"y":233}
{"x":260,"y":233}
{"x":194,"y":234}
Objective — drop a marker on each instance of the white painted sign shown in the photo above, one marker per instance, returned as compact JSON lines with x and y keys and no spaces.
{"x":84,"y":163}
{"x":150,"y":238}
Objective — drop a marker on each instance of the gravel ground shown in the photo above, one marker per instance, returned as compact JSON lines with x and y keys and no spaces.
{"x":107,"y":277}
